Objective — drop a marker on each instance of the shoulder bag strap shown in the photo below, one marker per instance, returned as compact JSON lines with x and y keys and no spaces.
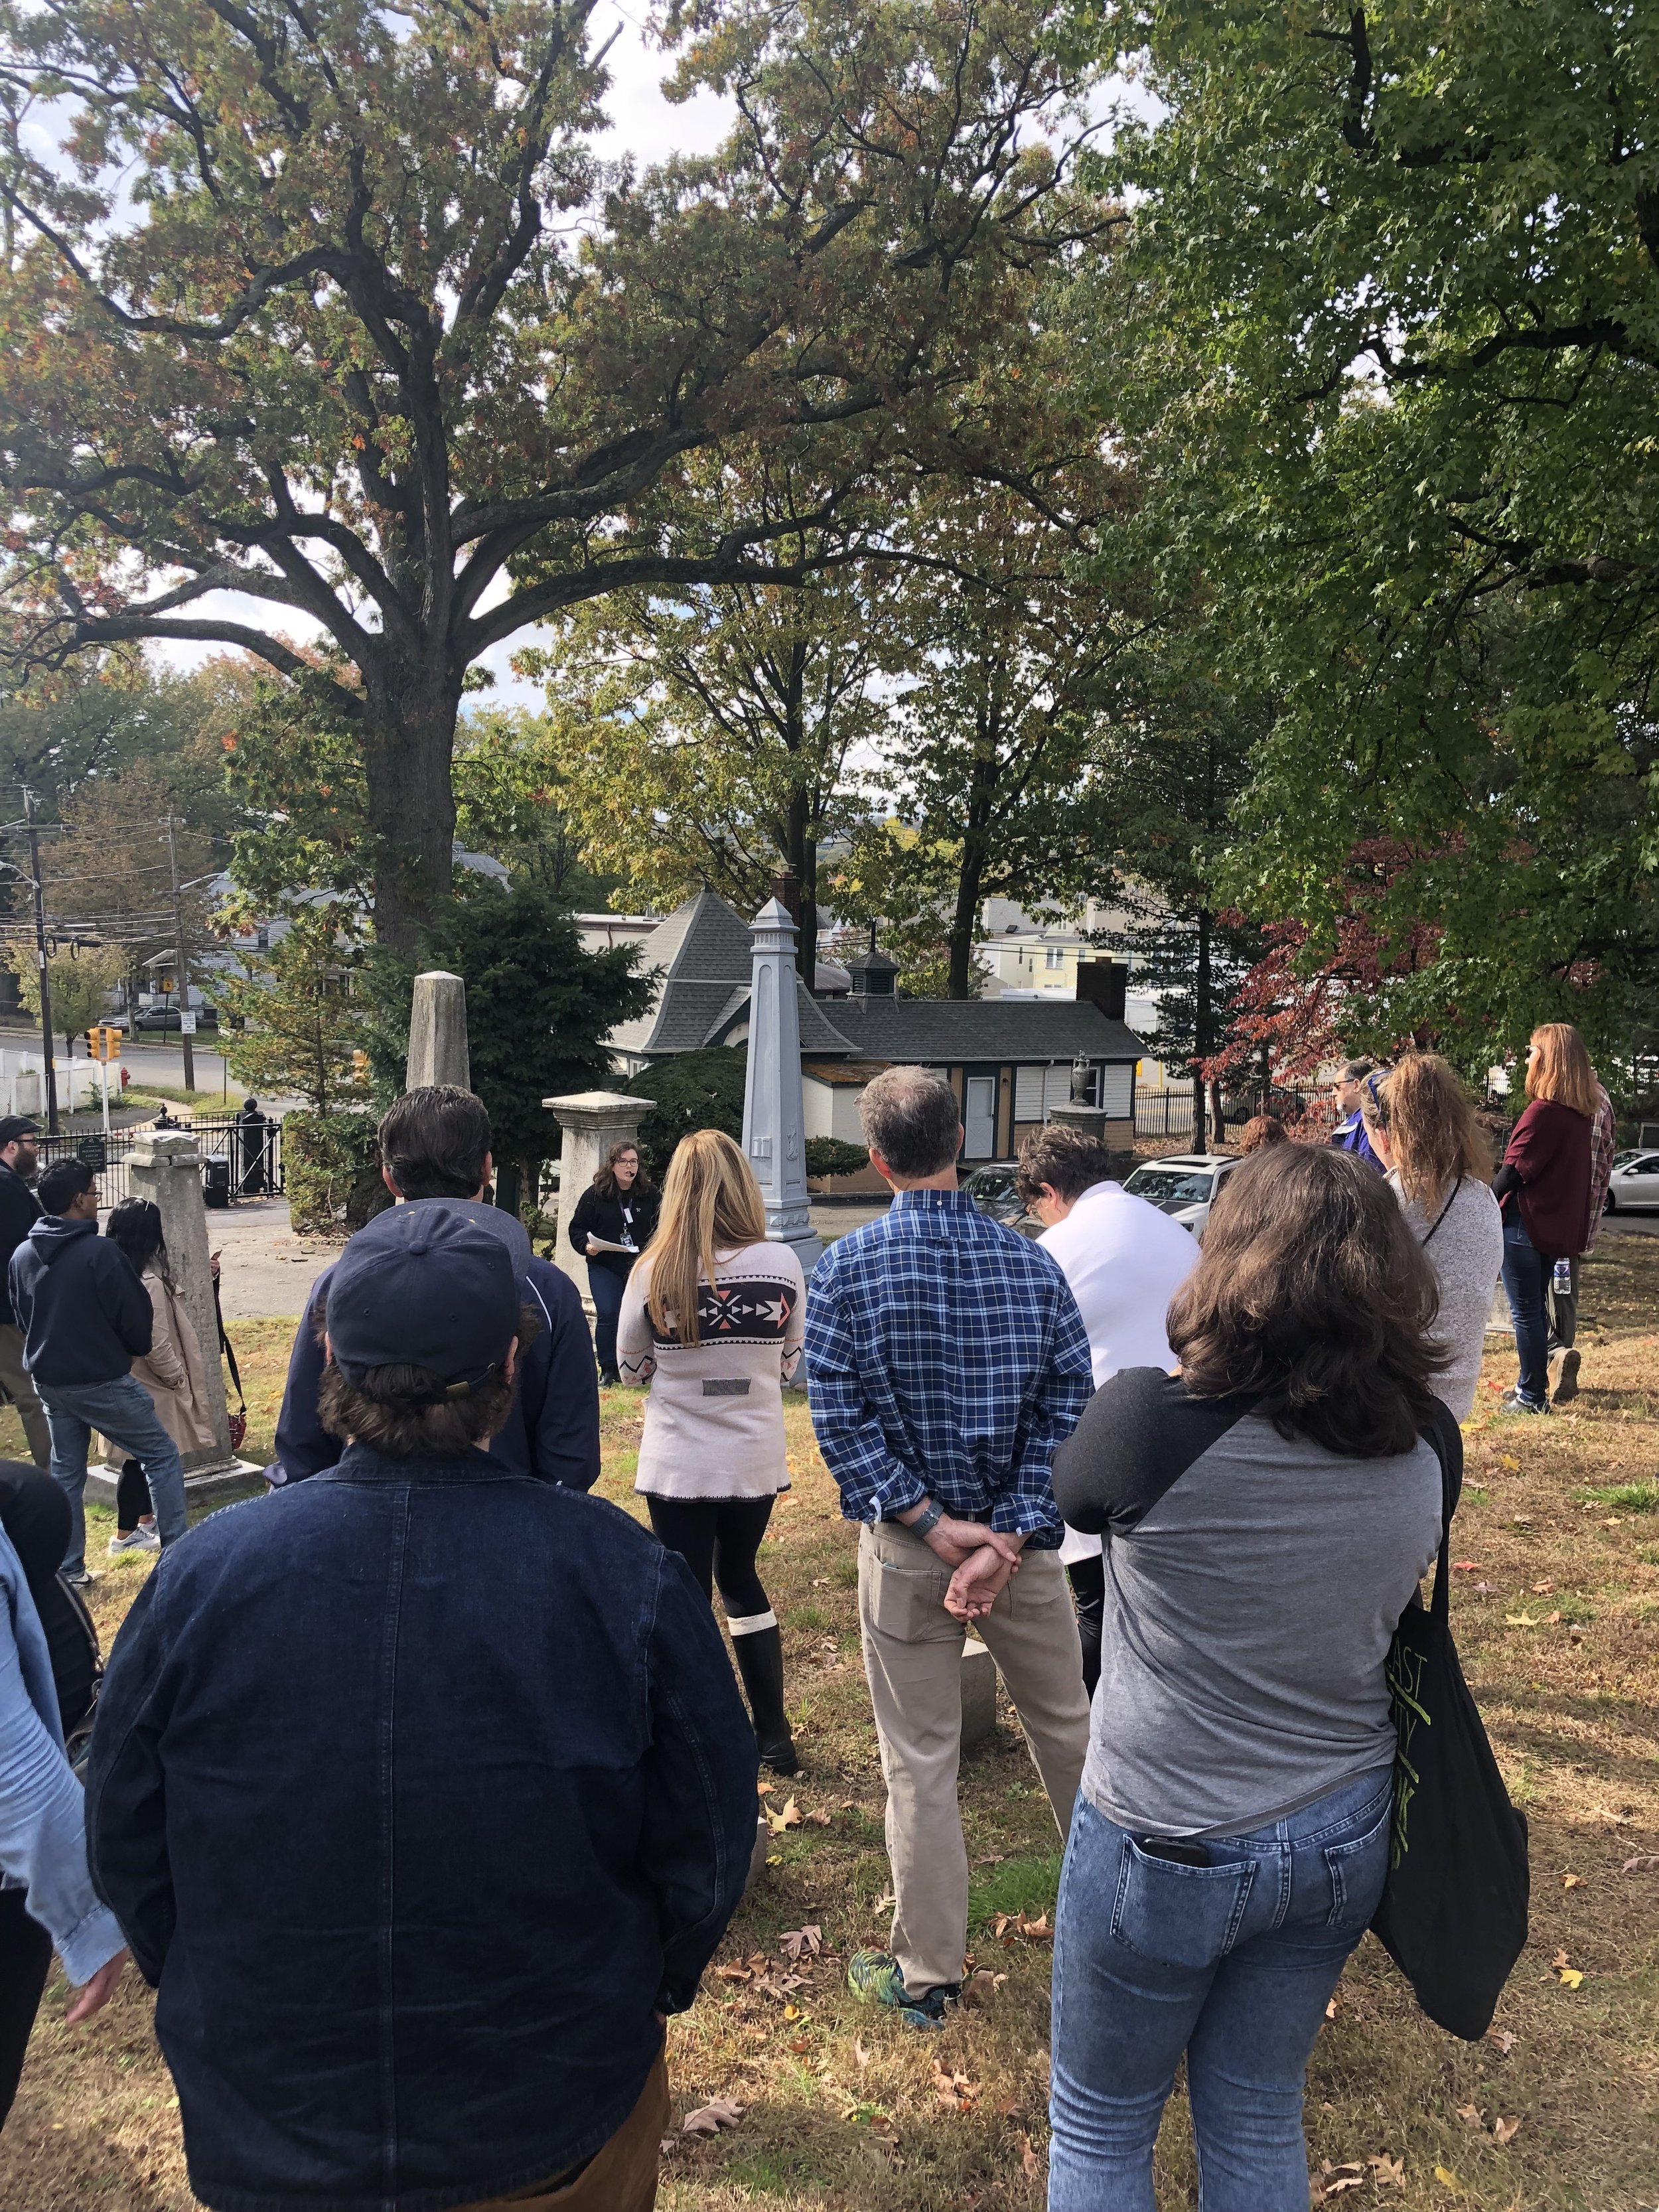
{"x":1435,"y":1436}
{"x":1446,"y":1208}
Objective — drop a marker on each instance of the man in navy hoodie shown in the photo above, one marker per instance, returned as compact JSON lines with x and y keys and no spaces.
{"x":85,"y":1318}
{"x":435,"y":1151}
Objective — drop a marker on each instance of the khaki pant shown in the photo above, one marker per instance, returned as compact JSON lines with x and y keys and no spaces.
{"x":913,"y":1660}
{"x":621,"y":2177}
{"x":21,"y":1392}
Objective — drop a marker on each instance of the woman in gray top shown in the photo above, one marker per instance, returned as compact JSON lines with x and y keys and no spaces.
{"x":1268,"y":1513}
{"x":1422,"y":1129}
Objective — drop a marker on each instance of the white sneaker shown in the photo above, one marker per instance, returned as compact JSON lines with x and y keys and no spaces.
{"x":136,"y":1540}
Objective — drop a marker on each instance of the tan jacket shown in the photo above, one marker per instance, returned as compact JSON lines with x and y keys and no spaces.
{"x":171,"y":1371}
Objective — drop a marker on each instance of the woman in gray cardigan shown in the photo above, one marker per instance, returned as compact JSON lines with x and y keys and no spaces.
{"x":1422,"y":1129}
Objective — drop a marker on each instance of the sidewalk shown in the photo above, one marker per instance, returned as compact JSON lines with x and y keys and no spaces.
{"x":264,"y":1269}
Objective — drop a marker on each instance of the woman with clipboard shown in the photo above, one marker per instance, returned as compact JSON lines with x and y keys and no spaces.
{"x":615,"y":1219}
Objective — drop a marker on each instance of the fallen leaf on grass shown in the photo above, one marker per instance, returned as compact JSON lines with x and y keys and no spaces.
{"x":1470,"y":2116}
{"x":819,"y":1819}
{"x":1330,"y":2009}
{"x":1543,"y":1589}
{"x":1031,"y":2164}
{"x":981,"y":1984}
{"x":1467,"y":1566}
{"x":954,"y":2089}
{"x":1010,"y":1924}
{"x":801,"y":2043}
{"x":1571,"y":1978}
{"x":1346,"y":2181}
{"x":1503,"y":2039}
{"x":1505,"y":2130}
{"x":765,"y":1789}
{"x":1447,"y":2178}
{"x":795,"y":1941}
{"x":789,"y":1817}
{"x":734,"y":1973}
{"x":775,"y":1858}
{"x":860,"y":2054}
{"x":1571,"y":1881}
{"x":1511,"y":1620}
{"x":1386,"y":2170}
{"x":1645,"y":1863}
{"x":709,"y":2119}
{"x":882,"y":1903}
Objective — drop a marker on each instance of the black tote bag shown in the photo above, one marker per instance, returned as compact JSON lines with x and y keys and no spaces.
{"x":1453,"y":1913}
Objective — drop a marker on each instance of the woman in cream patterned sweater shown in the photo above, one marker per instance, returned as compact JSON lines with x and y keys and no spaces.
{"x":711,"y":1319}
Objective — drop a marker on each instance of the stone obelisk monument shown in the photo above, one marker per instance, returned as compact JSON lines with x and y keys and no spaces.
{"x":773,"y":1119}
{"x":437,"y":1032}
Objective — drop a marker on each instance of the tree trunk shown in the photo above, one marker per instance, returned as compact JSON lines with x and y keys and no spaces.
{"x":961,"y":939}
{"x":1202,"y":1046}
{"x":407,"y":743}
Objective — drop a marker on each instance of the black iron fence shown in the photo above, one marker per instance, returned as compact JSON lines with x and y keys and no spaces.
{"x":240,"y":1159}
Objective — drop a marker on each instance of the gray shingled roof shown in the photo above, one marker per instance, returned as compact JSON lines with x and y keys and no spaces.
{"x":702,"y":950}
{"x":703,"y":953}
{"x":938,"y":1032}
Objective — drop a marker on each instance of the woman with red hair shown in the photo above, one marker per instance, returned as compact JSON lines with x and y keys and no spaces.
{"x":1544,"y":1188}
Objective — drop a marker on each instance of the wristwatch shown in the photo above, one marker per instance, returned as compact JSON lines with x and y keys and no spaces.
{"x":932,"y":1514}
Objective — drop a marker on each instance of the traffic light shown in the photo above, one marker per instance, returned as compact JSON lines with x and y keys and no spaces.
{"x":103,"y":1042}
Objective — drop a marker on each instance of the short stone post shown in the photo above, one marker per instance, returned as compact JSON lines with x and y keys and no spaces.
{"x":591,"y":1122}
{"x":165,"y":1167}
{"x":437,"y":1032}
{"x":979,"y":1693}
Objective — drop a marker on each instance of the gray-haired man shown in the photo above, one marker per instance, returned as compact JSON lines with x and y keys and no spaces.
{"x":946,"y":1360}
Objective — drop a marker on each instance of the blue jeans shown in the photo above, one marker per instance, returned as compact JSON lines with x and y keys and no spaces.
{"x":124,"y":1411}
{"x":1526,"y":1279}
{"x":607,"y":1290}
{"x":1233,"y":1964}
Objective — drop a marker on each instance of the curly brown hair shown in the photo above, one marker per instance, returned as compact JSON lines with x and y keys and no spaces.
{"x":604,"y":1176}
{"x":1070,"y":1161}
{"x":1313,"y":1296}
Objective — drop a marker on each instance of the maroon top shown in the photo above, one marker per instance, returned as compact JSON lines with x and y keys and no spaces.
{"x":1549,"y":1151}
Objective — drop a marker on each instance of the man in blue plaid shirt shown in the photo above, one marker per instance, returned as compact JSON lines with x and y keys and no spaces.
{"x":946,"y":1360}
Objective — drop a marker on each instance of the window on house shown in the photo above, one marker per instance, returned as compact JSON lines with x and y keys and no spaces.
{"x":1028,"y":1093}
{"x":1055,"y":957}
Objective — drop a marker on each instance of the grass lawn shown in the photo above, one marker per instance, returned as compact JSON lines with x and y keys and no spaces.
{"x":1557,"y":1612}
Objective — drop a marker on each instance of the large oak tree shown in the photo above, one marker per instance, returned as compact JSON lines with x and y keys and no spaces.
{"x":335,"y":308}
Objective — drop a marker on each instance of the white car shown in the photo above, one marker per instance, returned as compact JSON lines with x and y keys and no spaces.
{"x":1183,"y":1186}
{"x":1633,"y":1186}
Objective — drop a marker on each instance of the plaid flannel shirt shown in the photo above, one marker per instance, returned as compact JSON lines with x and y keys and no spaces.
{"x":945,"y":1357}
{"x":1604,"y":1143}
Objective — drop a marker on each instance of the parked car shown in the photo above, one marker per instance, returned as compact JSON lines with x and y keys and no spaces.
{"x":992,"y":1189}
{"x":1183,"y":1186}
{"x":167,"y":1017}
{"x":1633,"y":1186}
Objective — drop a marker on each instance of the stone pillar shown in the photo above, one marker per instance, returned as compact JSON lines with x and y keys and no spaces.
{"x":437,"y":1032}
{"x":774,"y":1117}
{"x":592,"y":1121}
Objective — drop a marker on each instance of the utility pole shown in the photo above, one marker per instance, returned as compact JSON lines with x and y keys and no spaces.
{"x":182,"y":965}
{"x":40,"y":954}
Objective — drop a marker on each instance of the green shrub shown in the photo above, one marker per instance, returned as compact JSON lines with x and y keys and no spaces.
{"x":828,"y":1156}
{"x":694,"y":1090}
{"x":330,"y":1170}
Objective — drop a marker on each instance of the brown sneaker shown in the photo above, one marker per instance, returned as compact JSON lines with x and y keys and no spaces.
{"x":1567,"y":1387}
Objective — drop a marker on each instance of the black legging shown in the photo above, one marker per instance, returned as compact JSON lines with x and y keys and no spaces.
{"x":132,"y":1497}
{"x":1088,"y":1581}
{"x":25,"y":1962}
{"x":718,"y":1539}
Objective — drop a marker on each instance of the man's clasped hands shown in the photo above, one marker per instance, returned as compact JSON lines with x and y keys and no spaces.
{"x":985,"y":1560}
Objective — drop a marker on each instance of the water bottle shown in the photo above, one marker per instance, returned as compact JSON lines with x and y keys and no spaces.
{"x":1561,"y":1280}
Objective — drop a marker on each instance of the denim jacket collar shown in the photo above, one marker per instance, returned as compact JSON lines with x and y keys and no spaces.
{"x":363,"y":1464}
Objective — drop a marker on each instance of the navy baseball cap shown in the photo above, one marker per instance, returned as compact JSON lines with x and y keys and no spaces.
{"x":423,"y":1287}
{"x":17,"y":1125}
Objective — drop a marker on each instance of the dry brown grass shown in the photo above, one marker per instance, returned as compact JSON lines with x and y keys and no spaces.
{"x":844,"y":2108}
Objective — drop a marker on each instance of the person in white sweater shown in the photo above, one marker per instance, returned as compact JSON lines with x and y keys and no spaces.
{"x":1422,"y":1128}
{"x":712,"y":1318}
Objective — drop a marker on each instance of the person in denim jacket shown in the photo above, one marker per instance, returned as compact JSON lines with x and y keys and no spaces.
{"x":421,"y":1789}
{"x":47,"y":1898}
{"x":1267,"y":1513}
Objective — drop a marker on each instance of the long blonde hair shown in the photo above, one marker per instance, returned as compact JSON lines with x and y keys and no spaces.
{"x":711,"y":1203}
{"x":1561,"y":1070}
{"x":1431,"y":1124}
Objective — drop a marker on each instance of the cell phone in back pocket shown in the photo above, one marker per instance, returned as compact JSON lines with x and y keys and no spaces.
{"x":1177,"y":1849}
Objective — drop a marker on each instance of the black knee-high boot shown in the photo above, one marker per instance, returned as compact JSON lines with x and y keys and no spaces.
{"x":760,"y":1661}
